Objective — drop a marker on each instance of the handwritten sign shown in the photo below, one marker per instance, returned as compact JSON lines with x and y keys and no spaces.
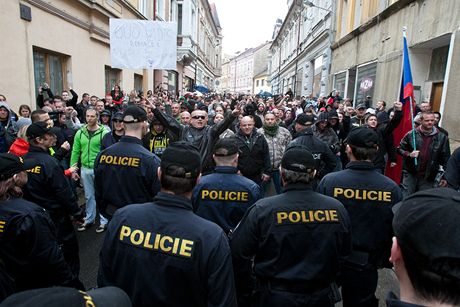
{"x":143,"y":44}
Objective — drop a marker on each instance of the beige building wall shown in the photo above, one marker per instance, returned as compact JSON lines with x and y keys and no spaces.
{"x":380,"y":40}
{"x":69,"y":28}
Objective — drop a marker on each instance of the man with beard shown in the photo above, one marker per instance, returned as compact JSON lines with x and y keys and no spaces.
{"x":277,"y":139}
{"x":126,"y":163}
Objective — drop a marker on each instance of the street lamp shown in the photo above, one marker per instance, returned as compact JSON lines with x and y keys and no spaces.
{"x":311,"y":4}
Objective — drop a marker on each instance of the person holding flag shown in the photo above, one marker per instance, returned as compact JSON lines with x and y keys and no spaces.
{"x":423,"y":149}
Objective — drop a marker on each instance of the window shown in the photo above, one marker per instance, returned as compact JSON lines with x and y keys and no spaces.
{"x":365,"y":81}
{"x":160,"y":9}
{"x":143,"y":7}
{"x":138,"y":80}
{"x":257,"y":82}
{"x":339,"y":82}
{"x":49,"y":67}
{"x":263,"y":81}
{"x":112,"y":77}
{"x":179,"y":19}
{"x":172,"y":81}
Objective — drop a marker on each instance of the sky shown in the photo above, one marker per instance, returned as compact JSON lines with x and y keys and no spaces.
{"x":248,"y":23}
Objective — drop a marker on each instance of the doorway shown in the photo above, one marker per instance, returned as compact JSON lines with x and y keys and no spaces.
{"x":436,"y":94}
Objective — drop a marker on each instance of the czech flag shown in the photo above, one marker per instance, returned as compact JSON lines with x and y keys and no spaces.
{"x":407,"y":98}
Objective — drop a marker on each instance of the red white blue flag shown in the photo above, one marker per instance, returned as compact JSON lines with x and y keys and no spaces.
{"x":407,"y":98}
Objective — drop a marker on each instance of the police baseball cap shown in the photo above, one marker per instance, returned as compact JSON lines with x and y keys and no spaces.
{"x":304,"y":119}
{"x":426,"y":226}
{"x":225,"y":147}
{"x":181,"y":154}
{"x":298,"y":158}
{"x":134,"y":114}
{"x":361,"y":106}
{"x":69,"y":297}
{"x":363,"y":137}
{"x":11,"y":165}
{"x":38,"y":129}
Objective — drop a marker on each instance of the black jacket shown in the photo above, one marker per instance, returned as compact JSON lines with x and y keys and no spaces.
{"x":452,"y":174}
{"x":48,"y":187}
{"x":439,"y":152}
{"x":178,"y":258}
{"x":368,"y":197}
{"x":254,"y":155}
{"x":386,"y":143}
{"x":203,"y":139}
{"x":297,"y":237}
{"x":29,"y":248}
{"x":125,"y":173}
{"x":324,"y":158}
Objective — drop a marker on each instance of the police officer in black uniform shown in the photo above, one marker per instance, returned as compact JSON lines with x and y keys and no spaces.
{"x":224,"y":196}
{"x":29,"y":250}
{"x":126,"y":172}
{"x":179,"y":258}
{"x":297,"y":239}
{"x":368,"y":197}
{"x":325,"y":160}
{"x":49,"y":188}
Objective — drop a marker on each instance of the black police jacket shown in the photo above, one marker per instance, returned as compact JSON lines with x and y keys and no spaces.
{"x":299,"y":236}
{"x":29,"y":248}
{"x":324,"y":158}
{"x":125,"y":173}
{"x":162,"y":254}
{"x":48,"y":187}
{"x":223,"y":197}
{"x":368,"y":197}
{"x":254,"y":154}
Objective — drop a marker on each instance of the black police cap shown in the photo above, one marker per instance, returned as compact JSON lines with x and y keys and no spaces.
{"x":298,"y":158}
{"x":181,"y":154}
{"x":134,"y":114}
{"x":363,"y":137}
{"x":37,"y":129}
{"x":426,"y":226}
{"x":225,"y":147}
{"x":11,"y":165}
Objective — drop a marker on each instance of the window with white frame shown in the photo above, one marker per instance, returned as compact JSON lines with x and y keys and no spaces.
{"x":142,"y":7}
{"x":160,"y":9}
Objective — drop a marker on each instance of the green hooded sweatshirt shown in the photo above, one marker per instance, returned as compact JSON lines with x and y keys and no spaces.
{"x":85,"y":147}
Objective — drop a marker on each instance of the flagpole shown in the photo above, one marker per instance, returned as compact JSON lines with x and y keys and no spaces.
{"x":411,"y":103}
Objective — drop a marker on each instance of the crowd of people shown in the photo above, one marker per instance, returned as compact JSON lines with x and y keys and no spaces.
{"x":226,"y":200}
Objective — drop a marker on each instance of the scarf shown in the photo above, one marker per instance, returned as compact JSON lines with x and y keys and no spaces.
{"x":271,"y":130}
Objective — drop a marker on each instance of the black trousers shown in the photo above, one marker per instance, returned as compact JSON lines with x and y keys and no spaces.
{"x":275,"y":298}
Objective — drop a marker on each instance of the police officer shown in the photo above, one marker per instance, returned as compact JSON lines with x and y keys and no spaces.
{"x":368,"y":197}
{"x":180,"y":259}
{"x":298,"y":239}
{"x":49,"y":188}
{"x":224,"y":196}
{"x":425,"y":252}
{"x":125,"y":173}
{"x":325,"y":161}
{"x":29,"y":250}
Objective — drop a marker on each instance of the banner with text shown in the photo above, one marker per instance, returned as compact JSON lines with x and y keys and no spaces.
{"x":145,"y":44}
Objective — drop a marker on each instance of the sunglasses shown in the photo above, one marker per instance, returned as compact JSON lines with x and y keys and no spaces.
{"x":199,"y":117}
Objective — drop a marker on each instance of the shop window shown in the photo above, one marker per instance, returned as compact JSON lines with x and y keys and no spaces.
{"x":138,"y":80}
{"x":365,"y":81}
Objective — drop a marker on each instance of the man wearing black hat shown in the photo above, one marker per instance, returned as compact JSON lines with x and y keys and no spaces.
{"x":48,"y":187}
{"x":224,"y":196}
{"x":118,"y":130}
{"x":325,"y":160}
{"x":368,"y":197}
{"x":29,"y":250}
{"x":425,"y":252}
{"x":360,"y":118}
{"x":297,"y":240}
{"x":125,"y":173}
{"x":180,"y":259}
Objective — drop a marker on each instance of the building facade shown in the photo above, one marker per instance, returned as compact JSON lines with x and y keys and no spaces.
{"x":367,"y":52}
{"x":66,"y":44}
{"x":300,"y":55}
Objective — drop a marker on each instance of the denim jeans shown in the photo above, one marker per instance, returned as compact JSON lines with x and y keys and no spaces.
{"x":275,"y":176}
{"x":87,"y":178}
